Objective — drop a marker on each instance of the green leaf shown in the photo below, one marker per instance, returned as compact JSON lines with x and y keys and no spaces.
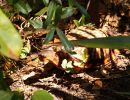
{"x":58,"y":1}
{"x":117,"y":42}
{"x":49,"y":36}
{"x":67,"y":12}
{"x":67,"y":66}
{"x":67,"y":44}
{"x":46,"y":2}
{"x":82,"y":20}
{"x":82,"y":10}
{"x":12,"y":2}
{"x":36,"y":23}
{"x":25,"y":50}
{"x":17,"y":95}
{"x":58,"y":13}
{"x":64,"y":64}
{"x":123,"y":93}
{"x":84,"y":55}
{"x":50,"y":13}
{"x":77,"y":23}
{"x":6,"y":95}
{"x":70,"y":65}
{"x":10,"y":40}
{"x":41,"y":95}
{"x":23,"y":7}
{"x":71,"y":3}
{"x":9,"y":95}
{"x":42,"y":11}
{"x":3,"y":85}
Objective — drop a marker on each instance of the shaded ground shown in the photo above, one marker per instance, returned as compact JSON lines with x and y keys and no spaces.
{"x":82,"y":86}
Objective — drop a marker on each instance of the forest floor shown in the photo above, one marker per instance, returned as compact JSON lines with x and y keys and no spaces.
{"x":40,"y":69}
{"x":89,"y":85}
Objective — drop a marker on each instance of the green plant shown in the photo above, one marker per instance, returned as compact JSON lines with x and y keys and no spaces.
{"x":41,"y":95}
{"x":10,"y":40}
{"x":80,"y":22}
{"x":55,"y":12}
{"x":11,"y":46}
{"x":20,"y":6}
{"x":117,"y":42}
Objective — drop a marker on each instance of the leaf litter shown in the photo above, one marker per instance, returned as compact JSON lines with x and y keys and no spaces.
{"x":104,"y":73}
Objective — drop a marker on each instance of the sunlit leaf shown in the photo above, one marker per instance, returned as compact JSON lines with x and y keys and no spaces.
{"x":67,"y":44}
{"x":10,"y":41}
{"x":117,"y":42}
{"x":49,"y":36}
{"x":76,"y":22}
{"x":67,"y":12}
{"x":82,"y":20}
{"x":25,"y":50}
{"x":41,"y":95}
{"x":67,"y":66}
{"x":70,"y":65}
{"x":42,"y":11}
{"x":64,"y":64}
{"x":84,"y":55}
